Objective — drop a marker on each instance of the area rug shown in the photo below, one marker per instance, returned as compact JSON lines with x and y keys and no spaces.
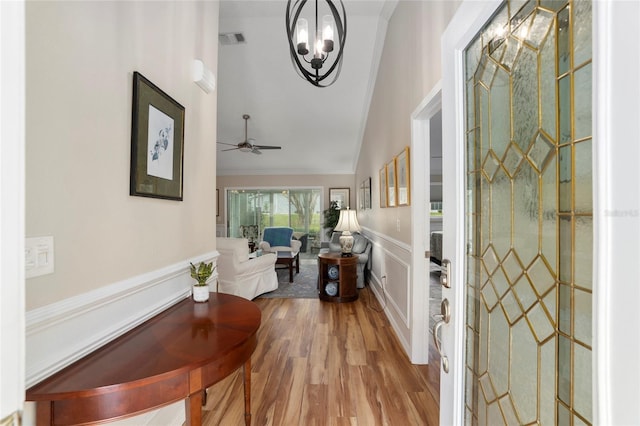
{"x":304,"y":285}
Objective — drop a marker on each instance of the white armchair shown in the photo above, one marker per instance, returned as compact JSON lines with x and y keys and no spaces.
{"x":241,"y":276}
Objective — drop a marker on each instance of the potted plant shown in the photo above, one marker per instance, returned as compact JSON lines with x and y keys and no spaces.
{"x":201,"y":274}
{"x":331,"y":217}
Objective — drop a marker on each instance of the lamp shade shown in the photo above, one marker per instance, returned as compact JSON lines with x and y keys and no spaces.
{"x":348,"y":221}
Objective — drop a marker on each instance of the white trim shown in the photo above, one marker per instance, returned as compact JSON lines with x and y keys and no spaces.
{"x":468,"y":20}
{"x":385,"y":247}
{"x":420,"y":222}
{"x":616,"y":209}
{"x":63,"y":332}
{"x":12,"y":211}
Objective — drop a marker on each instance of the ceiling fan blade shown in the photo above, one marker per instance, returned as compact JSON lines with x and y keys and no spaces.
{"x":267,"y":147}
{"x":230,"y":144}
{"x":256,"y":151}
{"x":231,"y":149}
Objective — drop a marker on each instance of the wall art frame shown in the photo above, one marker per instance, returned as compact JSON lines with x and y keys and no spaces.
{"x":157,"y":142}
{"x":341,"y":196}
{"x":391,"y":183}
{"x":403,"y":178}
{"x":383,"y":186}
{"x":367,"y":193}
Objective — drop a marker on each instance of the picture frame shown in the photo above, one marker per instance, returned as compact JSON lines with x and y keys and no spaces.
{"x":367,"y":193}
{"x":403,"y":178}
{"x":341,"y":196}
{"x":361,"y":204}
{"x":157,"y":142}
{"x":391,"y":183}
{"x":217,"y":202}
{"x":383,"y":186}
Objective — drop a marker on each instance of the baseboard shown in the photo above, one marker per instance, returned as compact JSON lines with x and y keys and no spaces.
{"x":63,"y":332}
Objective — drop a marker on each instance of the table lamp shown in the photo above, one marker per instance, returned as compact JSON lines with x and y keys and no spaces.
{"x":347,"y":223}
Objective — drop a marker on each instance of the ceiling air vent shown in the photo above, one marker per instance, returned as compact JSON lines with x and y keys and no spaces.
{"x":231,"y":38}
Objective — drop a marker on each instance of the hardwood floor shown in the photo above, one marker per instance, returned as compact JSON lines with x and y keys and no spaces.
{"x":321,"y":363}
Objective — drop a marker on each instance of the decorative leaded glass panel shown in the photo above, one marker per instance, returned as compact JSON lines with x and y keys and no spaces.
{"x":529,"y":128}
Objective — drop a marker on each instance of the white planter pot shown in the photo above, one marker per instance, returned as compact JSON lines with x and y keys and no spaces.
{"x":200,"y":293}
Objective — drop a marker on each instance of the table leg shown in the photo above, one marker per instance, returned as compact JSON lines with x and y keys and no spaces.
{"x":246,"y":370}
{"x":298,"y":263}
{"x":291,"y":270}
{"x":193,"y":408}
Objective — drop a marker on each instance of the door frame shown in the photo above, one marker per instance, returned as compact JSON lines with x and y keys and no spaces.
{"x":12,"y":202}
{"x":466,"y":23}
{"x":420,"y":167}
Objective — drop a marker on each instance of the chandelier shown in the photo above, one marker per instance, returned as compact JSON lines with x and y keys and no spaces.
{"x":318,"y":66}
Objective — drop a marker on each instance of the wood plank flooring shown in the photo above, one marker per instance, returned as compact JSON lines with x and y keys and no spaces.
{"x":320,"y":363}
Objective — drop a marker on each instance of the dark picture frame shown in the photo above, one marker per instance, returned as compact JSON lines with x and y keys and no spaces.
{"x":367,"y":193}
{"x":157,"y":142}
{"x":341,"y":196}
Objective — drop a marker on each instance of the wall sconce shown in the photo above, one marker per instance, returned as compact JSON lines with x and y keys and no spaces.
{"x":203,"y":76}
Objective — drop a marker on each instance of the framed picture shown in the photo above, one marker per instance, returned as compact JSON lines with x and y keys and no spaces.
{"x":341,"y":196}
{"x":404,"y":176}
{"x":217,"y":202}
{"x":367,"y":193}
{"x":383,"y":186}
{"x":361,"y":205}
{"x":391,"y":183}
{"x":157,"y":142}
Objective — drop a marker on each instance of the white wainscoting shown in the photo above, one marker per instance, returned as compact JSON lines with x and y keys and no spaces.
{"x":63,"y":332}
{"x":391,"y":282}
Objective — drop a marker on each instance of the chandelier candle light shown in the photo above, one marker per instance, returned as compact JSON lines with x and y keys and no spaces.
{"x":347,"y":223}
{"x":323,"y":43}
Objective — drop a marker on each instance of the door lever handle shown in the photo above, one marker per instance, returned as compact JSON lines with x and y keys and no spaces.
{"x":443,"y":318}
{"x":443,"y":359}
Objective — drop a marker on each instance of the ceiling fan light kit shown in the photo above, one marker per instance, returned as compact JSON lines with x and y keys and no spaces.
{"x":249,"y":144}
{"x":323,"y":43}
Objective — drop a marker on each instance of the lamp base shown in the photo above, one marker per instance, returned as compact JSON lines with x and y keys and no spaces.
{"x":346,"y":243}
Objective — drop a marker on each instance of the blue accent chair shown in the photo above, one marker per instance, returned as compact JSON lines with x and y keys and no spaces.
{"x":279,"y":238}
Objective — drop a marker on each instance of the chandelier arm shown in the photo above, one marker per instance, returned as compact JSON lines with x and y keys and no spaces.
{"x":342,"y":35}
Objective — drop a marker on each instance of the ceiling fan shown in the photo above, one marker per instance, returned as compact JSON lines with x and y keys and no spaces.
{"x":249,"y":144}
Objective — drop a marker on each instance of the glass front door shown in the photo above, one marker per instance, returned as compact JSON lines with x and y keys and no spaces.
{"x":529,"y":216}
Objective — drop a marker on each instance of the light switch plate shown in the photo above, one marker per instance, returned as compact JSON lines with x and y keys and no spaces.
{"x":38,"y":256}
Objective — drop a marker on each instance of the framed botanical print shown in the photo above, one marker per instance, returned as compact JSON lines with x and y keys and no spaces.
{"x":391,"y":183}
{"x":157,"y":142}
{"x":383,"y":186}
{"x":404,"y":176}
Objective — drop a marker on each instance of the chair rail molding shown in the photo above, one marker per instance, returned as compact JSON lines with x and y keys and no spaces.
{"x":63,"y":332}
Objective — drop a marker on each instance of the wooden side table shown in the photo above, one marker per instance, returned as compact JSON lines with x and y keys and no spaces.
{"x":337,"y":277}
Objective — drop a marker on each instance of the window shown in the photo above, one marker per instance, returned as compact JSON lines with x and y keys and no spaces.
{"x":251,"y":210}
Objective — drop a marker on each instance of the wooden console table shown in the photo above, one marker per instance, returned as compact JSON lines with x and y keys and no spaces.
{"x":173,"y":356}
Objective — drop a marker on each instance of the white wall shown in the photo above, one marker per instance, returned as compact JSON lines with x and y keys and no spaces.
{"x":118,"y":259}
{"x":409,"y":70}
{"x":80,"y":60}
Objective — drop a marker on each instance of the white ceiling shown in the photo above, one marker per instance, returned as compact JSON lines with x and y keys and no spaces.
{"x":319,"y":129}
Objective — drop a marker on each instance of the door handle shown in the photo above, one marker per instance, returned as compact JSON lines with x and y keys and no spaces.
{"x":443,"y":318}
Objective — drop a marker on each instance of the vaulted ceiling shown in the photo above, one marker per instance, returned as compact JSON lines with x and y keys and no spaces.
{"x":319,"y":129}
